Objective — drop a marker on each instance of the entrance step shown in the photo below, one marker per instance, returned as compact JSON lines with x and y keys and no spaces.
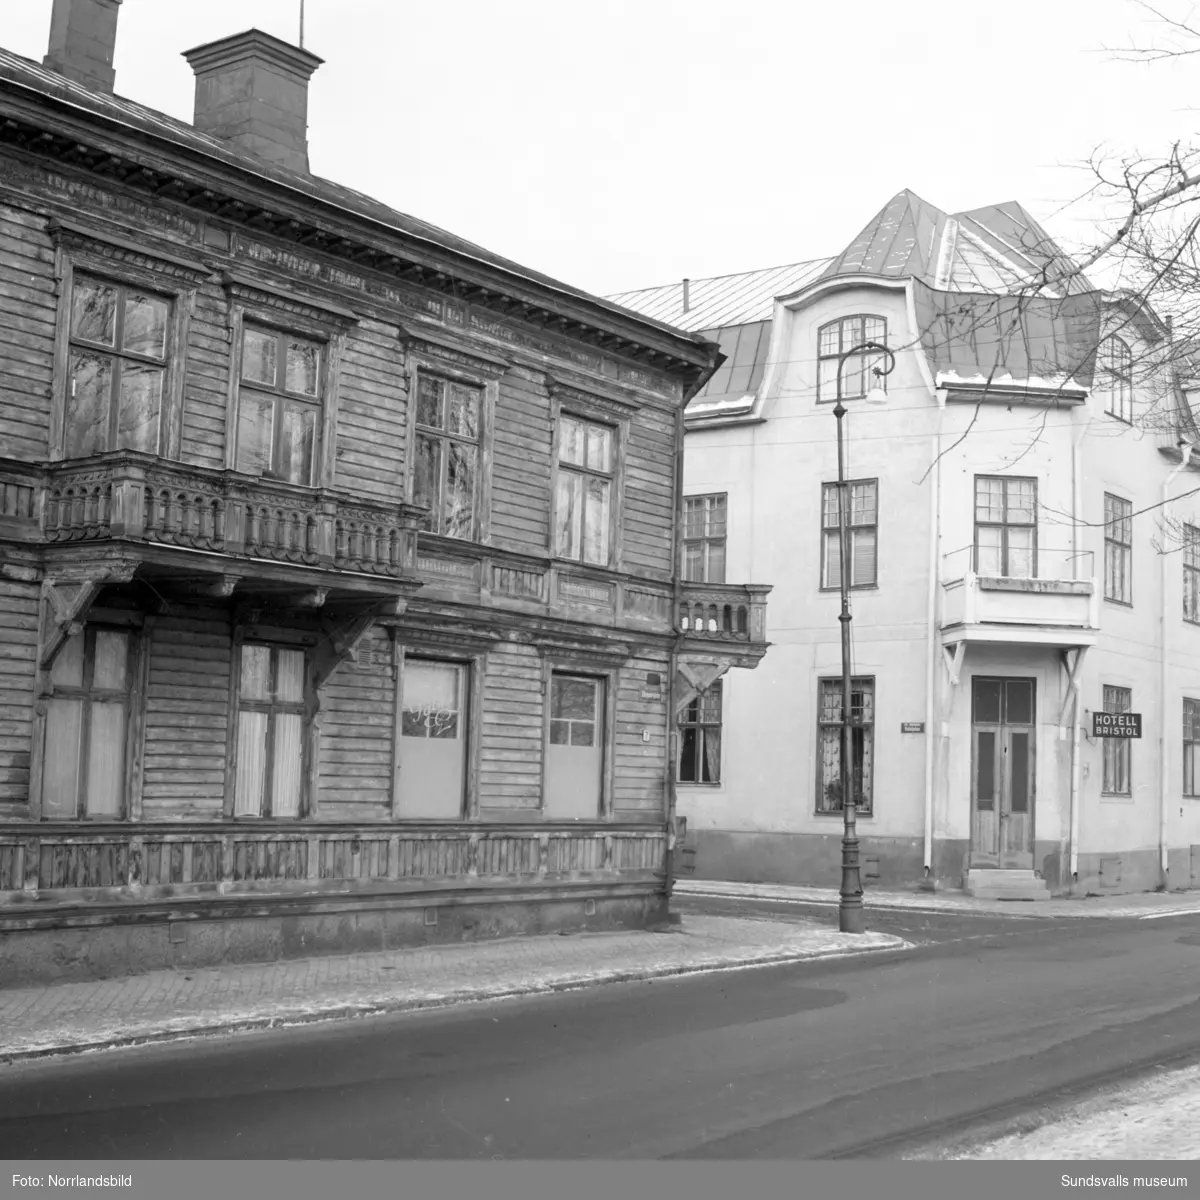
{"x":1006,"y":885}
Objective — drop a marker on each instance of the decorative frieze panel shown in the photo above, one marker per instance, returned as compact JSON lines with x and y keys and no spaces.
{"x":641,"y":605}
{"x":574,"y":589}
{"x":518,"y":584}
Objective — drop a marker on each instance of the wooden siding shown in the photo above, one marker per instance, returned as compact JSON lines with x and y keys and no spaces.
{"x":27,"y":314}
{"x":187,"y":716}
{"x":639,"y":775}
{"x":521,"y":467}
{"x":371,"y":413}
{"x":649,"y":515}
{"x":357,"y":724}
{"x":206,"y":389}
{"x":510,"y":774}
{"x":18,"y":656}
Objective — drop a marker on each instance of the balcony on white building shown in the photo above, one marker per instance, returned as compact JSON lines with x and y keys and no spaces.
{"x":1053,"y":600}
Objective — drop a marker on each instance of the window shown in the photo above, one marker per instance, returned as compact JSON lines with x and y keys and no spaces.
{"x":1118,"y":549}
{"x":583,"y":499}
{"x":1116,"y":750}
{"x":1191,"y":573}
{"x":1005,"y":527}
{"x":574,"y":770}
{"x":861,"y":528}
{"x":704,"y":538}
{"x":279,"y":405}
{"x":700,"y":738}
{"x":270,"y":732}
{"x":857,"y":377}
{"x":1115,"y":362}
{"x":1191,"y":746}
{"x":862,"y":744}
{"x":87,"y":722}
{"x":116,"y":381}
{"x":447,"y":454}
{"x":433,"y":720}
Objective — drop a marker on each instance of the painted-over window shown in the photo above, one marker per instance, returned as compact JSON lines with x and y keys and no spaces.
{"x":857,"y":376}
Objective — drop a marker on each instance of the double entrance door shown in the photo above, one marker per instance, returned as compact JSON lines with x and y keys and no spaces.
{"x":1003,"y":744}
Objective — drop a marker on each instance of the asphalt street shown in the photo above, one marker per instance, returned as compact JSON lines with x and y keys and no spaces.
{"x":871,"y":1057}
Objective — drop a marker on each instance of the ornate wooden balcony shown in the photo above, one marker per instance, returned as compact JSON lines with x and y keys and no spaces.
{"x":129,"y":499}
{"x":725,"y":618}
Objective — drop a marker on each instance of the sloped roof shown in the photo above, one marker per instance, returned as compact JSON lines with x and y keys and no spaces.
{"x":723,"y":301}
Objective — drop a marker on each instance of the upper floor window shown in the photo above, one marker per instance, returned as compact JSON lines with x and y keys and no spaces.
{"x":445,"y":479}
{"x":704,"y":538}
{"x":1115,"y":371}
{"x":1005,"y":527}
{"x":584,"y":490}
{"x":856,"y":377}
{"x":1191,"y":573}
{"x":1118,"y":549}
{"x":116,"y":381}
{"x":279,"y":405}
{"x":862,"y":529}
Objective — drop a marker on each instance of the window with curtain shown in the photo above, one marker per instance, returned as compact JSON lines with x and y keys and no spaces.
{"x":1117,"y":751}
{"x":700,"y":738}
{"x":857,"y":376}
{"x":1118,"y":549}
{"x":117,"y":368}
{"x":1115,"y":371}
{"x":270,"y":731}
{"x":829,"y":744}
{"x":1191,"y":747}
{"x":862,"y":522}
{"x":584,"y":490}
{"x":279,"y":405}
{"x":87,"y":722}
{"x":1005,"y":527}
{"x":1191,"y":573}
{"x":704,"y":538}
{"x":445,"y":478}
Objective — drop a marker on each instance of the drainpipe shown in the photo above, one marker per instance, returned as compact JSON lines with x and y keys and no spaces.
{"x":1186,"y":448}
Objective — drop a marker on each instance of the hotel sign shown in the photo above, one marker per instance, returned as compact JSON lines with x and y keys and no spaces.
{"x":1116,"y":725}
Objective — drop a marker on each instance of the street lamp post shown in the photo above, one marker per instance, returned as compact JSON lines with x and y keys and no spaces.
{"x":850,"y":908}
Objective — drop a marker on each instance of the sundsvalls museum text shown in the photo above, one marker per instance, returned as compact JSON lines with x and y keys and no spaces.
{"x":1123,"y":1181}
{"x":74,"y":1181}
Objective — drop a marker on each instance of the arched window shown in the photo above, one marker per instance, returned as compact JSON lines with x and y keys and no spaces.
{"x":833,"y":340}
{"x":1115,"y":377}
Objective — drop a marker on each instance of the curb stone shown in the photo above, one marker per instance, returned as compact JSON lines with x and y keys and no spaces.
{"x":435,"y":1000}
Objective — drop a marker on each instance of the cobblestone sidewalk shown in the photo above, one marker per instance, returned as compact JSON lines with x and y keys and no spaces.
{"x":1144,"y":905}
{"x":168,"y":1004}
{"x":1156,"y":1119}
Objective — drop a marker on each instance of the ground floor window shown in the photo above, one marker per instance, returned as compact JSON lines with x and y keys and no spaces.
{"x":700,"y":738}
{"x":862,"y":744}
{"x":433,"y":739}
{"x":575,"y":747}
{"x":1117,"y":750}
{"x":85,"y":750}
{"x":269,"y":758}
{"x":1191,"y":746}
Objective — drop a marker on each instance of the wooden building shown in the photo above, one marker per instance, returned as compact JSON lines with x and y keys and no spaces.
{"x":340,"y":602}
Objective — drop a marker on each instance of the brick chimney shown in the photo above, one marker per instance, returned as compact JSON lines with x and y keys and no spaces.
{"x":252,"y":90}
{"x":83,"y":36}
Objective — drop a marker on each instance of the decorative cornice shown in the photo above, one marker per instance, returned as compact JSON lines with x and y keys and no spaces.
{"x":610,"y":397}
{"x":315,"y":308}
{"x":99,"y":241}
{"x":437,"y":343}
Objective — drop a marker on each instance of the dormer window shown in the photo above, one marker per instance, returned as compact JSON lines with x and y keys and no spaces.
{"x":857,"y":377}
{"x":1115,"y":378}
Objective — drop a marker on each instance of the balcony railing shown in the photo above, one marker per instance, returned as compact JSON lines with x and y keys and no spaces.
{"x":140,"y":498}
{"x":1049,"y":587}
{"x":727,"y":612}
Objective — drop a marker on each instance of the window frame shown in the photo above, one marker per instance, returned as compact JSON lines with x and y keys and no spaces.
{"x":1189,"y":781}
{"x":444,"y":437}
{"x":573,"y":410}
{"x":707,"y":539}
{"x":1191,"y":573}
{"x":861,"y":683}
{"x":702,"y":728}
{"x":833,"y":531}
{"x":845,"y":344}
{"x":1115,"y":549}
{"x":1116,"y":753}
{"x":109,"y":259}
{"x":1117,"y":371}
{"x":1005,"y":525}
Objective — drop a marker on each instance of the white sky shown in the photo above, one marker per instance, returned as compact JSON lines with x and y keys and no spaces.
{"x":627,"y":143}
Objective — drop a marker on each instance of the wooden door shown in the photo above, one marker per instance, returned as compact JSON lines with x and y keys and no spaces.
{"x":433,"y":739}
{"x":575,"y":747}
{"x":1002,"y":772}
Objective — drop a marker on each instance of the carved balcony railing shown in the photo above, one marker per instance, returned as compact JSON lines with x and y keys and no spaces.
{"x":724,"y":614}
{"x":139,"y":498}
